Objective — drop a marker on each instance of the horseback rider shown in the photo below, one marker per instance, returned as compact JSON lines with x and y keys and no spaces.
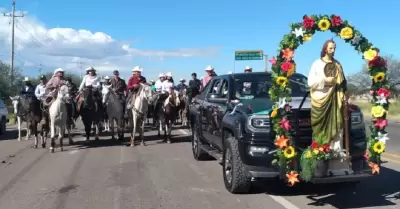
{"x":248,"y":69}
{"x":181,"y":86}
{"x":52,"y":85}
{"x":158,"y":84}
{"x":73,"y":90}
{"x":168,"y":83}
{"x":152,"y":84}
{"x":134,"y":82}
{"x":40,"y":90}
{"x":28,"y":89}
{"x":91,"y":80}
{"x":119,"y":87}
{"x":209,"y":74}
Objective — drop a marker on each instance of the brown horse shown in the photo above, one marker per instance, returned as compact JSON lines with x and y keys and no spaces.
{"x":171,"y":108}
{"x":183,"y":108}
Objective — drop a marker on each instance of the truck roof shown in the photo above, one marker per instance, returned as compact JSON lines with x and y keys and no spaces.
{"x":252,"y":73}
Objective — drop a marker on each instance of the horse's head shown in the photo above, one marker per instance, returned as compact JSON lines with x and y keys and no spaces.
{"x":146,"y":93}
{"x":15,"y":103}
{"x":105,"y":93}
{"x":63,"y":94}
{"x":173,"y":97}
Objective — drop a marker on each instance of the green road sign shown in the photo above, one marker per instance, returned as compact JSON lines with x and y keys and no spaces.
{"x":249,"y":55}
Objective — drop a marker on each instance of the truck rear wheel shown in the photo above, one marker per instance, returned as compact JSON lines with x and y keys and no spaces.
{"x":198,"y":153}
{"x":235,"y":176}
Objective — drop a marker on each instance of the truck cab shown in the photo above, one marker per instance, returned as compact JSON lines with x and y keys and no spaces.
{"x":230,"y":121}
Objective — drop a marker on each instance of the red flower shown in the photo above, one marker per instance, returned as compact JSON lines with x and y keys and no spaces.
{"x":308,"y":22}
{"x":286,"y":66}
{"x":327,"y":148}
{"x":380,"y":123}
{"x":314,"y":145}
{"x":377,"y":62}
{"x":383,"y":92}
{"x":285,"y":124}
{"x":336,"y":21}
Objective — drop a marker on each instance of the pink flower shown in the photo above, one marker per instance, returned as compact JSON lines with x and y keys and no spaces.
{"x":383,"y":92}
{"x":285,"y":124}
{"x":381,"y":123}
{"x":272,"y":61}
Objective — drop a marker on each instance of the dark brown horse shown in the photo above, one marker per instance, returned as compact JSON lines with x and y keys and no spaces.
{"x":171,"y":108}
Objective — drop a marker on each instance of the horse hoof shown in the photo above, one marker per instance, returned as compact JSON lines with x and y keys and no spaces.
{"x":71,"y":143}
{"x":132,"y":145}
{"x":61,"y":149}
{"x":51,"y":149}
{"x":143,"y":144}
{"x":35,"y":146}
{"x":43,"y":146}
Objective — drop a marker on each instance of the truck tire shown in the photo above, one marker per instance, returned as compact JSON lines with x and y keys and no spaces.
{"x":234,"y":172}
{"x":3,"y":125}
{"x":198,"y":152}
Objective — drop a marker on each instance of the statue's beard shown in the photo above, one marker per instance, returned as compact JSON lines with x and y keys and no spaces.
{"x":331,"y":55}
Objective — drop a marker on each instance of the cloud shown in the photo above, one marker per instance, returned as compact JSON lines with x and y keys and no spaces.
{"x":65,"y":47}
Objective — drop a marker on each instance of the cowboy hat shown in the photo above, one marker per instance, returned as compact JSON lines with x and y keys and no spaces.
{"x":248,"y":68}
{"x":209,"y":68}
{"x":169,"y":74}
{"x":26,"y":79}
{"x":58,"y":70}
{"x":90,"y":69}
{"x":182,"y":79}
{"x":107,"y":78}
{"x":137,"y":69}
{"x":161,"y":75}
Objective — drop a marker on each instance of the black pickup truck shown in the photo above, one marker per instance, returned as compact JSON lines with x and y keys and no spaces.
{"x":230,"y":122}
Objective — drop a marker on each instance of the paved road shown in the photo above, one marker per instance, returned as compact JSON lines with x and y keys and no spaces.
{"x":107,"y":174}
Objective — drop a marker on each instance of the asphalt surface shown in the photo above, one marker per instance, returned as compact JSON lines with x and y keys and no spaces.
{"x":108,"y":174}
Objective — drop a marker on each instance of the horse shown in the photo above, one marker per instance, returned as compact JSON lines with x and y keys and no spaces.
{"x":171,"y":107}
{"x":183,"y":108}
{"x":19,"y":115}
{"x":106,"y":120}
{"x":89,"y":107}
{"x":29,"y":108}
{"x":139,"y":106}
{"x":59,"y":117}
{"x":115,"y":111}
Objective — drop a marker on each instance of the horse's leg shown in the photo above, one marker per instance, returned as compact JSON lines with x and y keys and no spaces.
{"x":112,"y":128}
{"x":169,"y":127}
{"x":97,"y":129}
{"x":61,"y":133}
{"x":142,"y":130}
{"x":35,"y":133}
{"x":19,"y":127}
{"x":70,"y":141}
{"x":52,"y":135}
{"x":28,"y":130}
{"x":134,"y":120}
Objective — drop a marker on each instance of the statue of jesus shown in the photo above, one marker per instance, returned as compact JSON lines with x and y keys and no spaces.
{"x":327,"y":90}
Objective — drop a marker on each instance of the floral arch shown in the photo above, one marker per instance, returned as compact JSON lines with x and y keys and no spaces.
{"x":283,"y":66}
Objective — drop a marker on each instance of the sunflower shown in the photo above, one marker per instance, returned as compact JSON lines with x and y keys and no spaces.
{"x":274,"y":113}
{"x":289,"y":152}
{"x":379,"y":77}
{"x":324,"y":24}
{"x":378,"y":147}
{"x":307,"y":37}
{"x":281,"y":81}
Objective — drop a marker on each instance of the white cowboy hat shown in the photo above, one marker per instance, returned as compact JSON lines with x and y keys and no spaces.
{"x":137,"y":69}
{"x":121,"y":78}
{"x":90,"y":68}
{"x":230,"y":72}
{"x":209,"y":68}
{"x":169,"y":74}
{"x":26,"y":79}
{"x":182,"y":79}
{"x":161,"y":75}
{"x":106,"y":78}
{"x":58,"y":70}
{"x":248,"y":68}
{"x":151,"y":81}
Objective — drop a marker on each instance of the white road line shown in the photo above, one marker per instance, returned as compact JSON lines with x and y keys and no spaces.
{"x":73,"y":152}
{"x":118,"y":190}
{"x":279,"y":199}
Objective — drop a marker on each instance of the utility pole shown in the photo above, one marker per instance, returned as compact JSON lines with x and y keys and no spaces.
{"x":13,"y":16}
{"x":40,"y":69}
{"x":80,"y":67}
{"x":266,"y":63}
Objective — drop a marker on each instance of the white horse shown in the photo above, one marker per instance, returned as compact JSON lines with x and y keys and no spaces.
{"x":20,"y":119}
{"x":59,"y":117}
{"x":140,"y":109}
{"x":104,"y":91}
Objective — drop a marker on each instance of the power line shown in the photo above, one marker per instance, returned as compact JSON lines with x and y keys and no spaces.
{"x":13,"y":16}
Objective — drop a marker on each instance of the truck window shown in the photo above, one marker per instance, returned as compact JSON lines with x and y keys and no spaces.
{"x":251,"y":86}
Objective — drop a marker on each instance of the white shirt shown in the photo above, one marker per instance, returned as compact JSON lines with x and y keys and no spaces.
{"x":158,"y":85}
{"x":40,"y":91}
{"x":89,"y":80}
{"x":166,"y":86}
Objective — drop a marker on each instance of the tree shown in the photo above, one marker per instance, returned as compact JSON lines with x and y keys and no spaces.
{"x":8,"y":86}
{"x":362,"y":80}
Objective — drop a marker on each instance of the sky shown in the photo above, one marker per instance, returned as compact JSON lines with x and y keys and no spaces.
{"x":181,"y":36}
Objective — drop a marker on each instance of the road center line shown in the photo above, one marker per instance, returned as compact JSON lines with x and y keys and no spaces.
{"x":281,"y":200}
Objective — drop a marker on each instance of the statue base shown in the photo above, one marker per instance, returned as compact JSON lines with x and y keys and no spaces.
{"x":340,"y":164}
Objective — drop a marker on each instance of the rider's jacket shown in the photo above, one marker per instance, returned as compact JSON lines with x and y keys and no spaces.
{"x":118,"y":85}
{"x":158,"y":85}
{"x":89,"y":80}
{"x":180,"y":87}
{"x":194,"y":87}
{"x":166,"y":86}
{"x":27,"y":89}
{"x":135,"y":80}
{"x":40,"y":91}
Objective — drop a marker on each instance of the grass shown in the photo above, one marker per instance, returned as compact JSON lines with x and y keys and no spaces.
{"x":365,"y":106}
